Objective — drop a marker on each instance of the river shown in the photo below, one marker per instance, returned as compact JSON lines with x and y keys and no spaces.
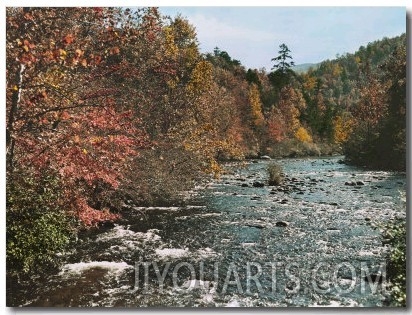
{"x":315,"y":241}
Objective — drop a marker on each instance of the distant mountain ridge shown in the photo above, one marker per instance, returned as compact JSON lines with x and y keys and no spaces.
{"x":305,"y":67}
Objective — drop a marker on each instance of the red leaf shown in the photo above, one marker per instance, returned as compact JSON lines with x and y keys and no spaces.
{"x":68,"y":39}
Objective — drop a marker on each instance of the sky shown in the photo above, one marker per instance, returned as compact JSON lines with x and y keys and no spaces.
{"x":313,"y":34}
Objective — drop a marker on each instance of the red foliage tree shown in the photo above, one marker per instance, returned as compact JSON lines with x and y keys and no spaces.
{"x":64,"y":112}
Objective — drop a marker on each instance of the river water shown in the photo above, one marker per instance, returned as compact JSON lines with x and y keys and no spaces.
{"x":315,"y":241}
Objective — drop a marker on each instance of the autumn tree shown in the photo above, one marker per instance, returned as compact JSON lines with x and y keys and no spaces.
{"x":257,"y":118}
{"x":291,"y":104}
{"x":277,"y":130}
{"x":70,"y":135}
{"x":379,"y":137}
{"x":343,"y":127}
{"x":392,"y":142}
{"x":303,"y":135}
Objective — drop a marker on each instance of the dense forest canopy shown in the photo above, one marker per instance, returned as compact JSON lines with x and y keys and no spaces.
{"x":108,"y":107}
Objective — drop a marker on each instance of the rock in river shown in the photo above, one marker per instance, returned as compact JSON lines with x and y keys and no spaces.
{"x":350,"y":183}
{"x":258,"y":184}
{"x":281,"y":224}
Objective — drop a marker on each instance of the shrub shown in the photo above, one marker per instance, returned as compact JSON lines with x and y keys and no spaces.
{"x":275,"y":174}
{"x":38,"y":227}
{"x":159,"y":177}
{"x":395,"y":233}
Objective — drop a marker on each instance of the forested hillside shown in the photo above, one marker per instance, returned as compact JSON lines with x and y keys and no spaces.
{"x":359,"y":102}
{"x":109,"y":107}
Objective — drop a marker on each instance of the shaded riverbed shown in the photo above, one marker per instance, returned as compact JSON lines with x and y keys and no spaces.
{"x":310,"y":242}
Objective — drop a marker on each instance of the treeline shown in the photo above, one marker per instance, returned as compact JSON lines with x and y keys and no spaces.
{"x":109,"y":107}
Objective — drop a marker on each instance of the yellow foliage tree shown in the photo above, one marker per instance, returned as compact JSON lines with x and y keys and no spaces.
{"x":184,"y":37}
{"x":336,"y":70}
{"x":291,"y":104}
{"x":343,"y":126}
{"x":171,"y":49}
{"x":303,"y":135}
{"x":309,"y":82}
{"x":201,"y":78}
{"x":256,"y":106}
{"x":208,"y":130}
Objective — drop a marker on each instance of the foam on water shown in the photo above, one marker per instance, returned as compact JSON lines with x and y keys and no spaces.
{"x":110,"y":266}
{"x":171,"y":252}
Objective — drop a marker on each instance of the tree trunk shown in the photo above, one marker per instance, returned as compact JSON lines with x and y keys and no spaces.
{"x":12,"y":115}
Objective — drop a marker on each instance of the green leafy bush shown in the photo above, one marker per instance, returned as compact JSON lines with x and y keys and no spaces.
{"x":395,"y":234}
{"x":38,"y":227}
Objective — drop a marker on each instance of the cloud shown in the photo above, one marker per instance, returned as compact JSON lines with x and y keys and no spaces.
{"x":211,"y":28}
{"x":253,"y":47}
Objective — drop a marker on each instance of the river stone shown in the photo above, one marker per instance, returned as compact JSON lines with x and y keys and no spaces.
{"x":350,"y":183}
{"x":281,"y":224}
{"x":245,"y":185}
{"x":265,"y":157}
{"x":258,"y":184}
{"x":360,"y":183}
